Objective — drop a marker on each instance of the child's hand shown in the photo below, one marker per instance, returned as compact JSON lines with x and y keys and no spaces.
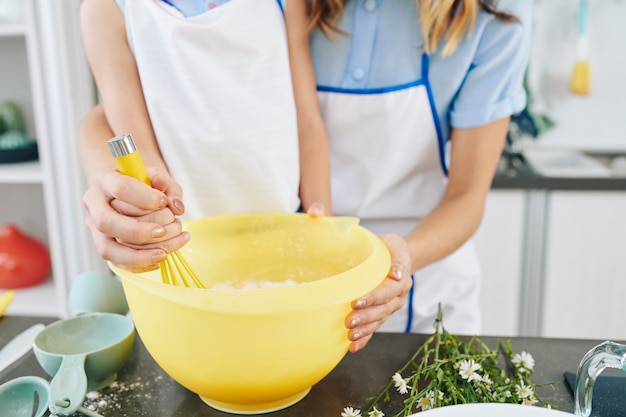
{"x":316,"y":210}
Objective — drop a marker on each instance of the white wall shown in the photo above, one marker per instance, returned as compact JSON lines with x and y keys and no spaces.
{"x":593,"y":122}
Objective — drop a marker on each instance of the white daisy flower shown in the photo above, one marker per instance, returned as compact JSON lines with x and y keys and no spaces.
{"x":376,"y":413}
{"x":523,"y":391}
{"x":400,"y":383}
{"x":351,"y":412}
{"x":523,"y":361}
{"x":468,"y":370}
{"x":486,"y":379}
{"x":427,"y":401}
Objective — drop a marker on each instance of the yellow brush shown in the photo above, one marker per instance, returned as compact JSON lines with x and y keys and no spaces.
{"x":174,"y":270}
{"x":5,"y":300}
{"x":581,"y":74}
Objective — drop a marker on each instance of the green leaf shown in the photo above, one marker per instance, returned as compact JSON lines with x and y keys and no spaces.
{"x":11,"y":117}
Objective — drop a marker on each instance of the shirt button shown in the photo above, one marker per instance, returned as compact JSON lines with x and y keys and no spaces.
{"x":358,"y":74}
{"x":370,"y":5}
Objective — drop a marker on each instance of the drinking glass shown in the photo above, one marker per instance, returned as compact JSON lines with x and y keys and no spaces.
{"x":606,"y":355}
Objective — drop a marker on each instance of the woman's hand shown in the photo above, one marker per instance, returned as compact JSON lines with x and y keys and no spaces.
{"x":134,"y":226}
{"x":370,"y":311}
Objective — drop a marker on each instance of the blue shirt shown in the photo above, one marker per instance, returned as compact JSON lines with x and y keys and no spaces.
{"x":480,"y":82}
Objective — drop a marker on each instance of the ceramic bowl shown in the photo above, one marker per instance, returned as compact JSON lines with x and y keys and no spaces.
{"x":270,"y":323}
{"x":96,"y":292}
{"x":24,"y":261}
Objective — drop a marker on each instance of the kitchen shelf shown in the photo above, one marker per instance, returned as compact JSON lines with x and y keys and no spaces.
{"x":9,"y":30}
{"x":44,"y":71}
{"x":21,"y":173}
{"x":30,"y":301}
{"x":30,"y":207}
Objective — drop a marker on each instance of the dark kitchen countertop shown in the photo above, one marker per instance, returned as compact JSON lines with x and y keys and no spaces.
{"x":514,"y":173}
{"x":142,"y":389}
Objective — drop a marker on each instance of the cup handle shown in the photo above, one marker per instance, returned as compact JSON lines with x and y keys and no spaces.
{"x":88,"y":413}
{"x":605,"y":355}
{"x":68,"y":386}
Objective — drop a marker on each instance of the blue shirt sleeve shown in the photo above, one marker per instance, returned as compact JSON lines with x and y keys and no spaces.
{"x":493,"y":87}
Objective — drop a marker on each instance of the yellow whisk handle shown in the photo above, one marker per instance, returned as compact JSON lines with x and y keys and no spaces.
{"x":132,"y":165}
{"x":127,"y":157}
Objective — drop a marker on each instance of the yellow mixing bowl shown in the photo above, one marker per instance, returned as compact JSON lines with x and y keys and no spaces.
{"x":270,"y":323}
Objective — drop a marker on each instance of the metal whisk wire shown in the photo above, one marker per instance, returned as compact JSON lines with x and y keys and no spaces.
{"x":176,"y":271}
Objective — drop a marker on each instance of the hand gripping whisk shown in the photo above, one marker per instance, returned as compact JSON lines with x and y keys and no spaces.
{"x":174,"y":269}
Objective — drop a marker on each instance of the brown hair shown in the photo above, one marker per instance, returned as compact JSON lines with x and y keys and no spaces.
{"x":440,"y":19}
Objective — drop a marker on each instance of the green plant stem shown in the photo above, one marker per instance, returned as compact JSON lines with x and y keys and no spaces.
{"x":436,"y":367}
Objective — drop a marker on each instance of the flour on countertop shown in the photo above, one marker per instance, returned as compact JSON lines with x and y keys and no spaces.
{"x":111,"y":400}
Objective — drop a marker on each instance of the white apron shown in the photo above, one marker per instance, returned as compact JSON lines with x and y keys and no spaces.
{"x":388,"y":168}
{"x":218,"y":90}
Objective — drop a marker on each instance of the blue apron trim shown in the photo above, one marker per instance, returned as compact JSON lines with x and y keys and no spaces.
{"x":169,"y":3}
{"x":281,"y":5}
{"x":431,"y":99}
{"x":409,"y":309}
{"x":381,"y":90}
{"x":425,"y":65}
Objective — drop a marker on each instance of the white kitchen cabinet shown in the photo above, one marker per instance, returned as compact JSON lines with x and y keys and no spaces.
{"x":42,"y":68}
{"x":500,"y":244}
{"x":585,"y":267}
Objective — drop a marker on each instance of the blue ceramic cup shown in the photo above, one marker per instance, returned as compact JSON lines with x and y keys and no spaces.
{"x":96,"y":292}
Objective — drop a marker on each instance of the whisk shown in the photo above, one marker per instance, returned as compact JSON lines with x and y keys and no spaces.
{"x":174,"y":269}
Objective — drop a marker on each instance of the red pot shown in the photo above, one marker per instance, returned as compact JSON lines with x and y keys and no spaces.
{"x":24,"y":261}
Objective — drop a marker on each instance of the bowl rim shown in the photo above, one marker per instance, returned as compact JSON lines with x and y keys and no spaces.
{"x":297,"y":298}
{"x":128,"y":332}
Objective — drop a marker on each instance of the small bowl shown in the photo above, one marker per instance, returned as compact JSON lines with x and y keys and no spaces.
{"x":271,"y":322}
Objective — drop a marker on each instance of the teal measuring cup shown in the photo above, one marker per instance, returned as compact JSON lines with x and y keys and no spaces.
{"x":26,"y":396}
{"x":82,"y":354}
